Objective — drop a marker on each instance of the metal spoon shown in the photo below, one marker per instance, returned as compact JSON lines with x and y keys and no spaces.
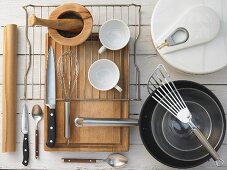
{"x":115,"y":160}
{"x":37,"y":115}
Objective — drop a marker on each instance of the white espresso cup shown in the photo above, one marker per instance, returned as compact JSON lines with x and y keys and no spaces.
{"x":114,"y":34}
{"x":104,"y":75}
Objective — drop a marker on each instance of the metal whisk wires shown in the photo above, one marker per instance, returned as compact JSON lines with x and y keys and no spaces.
{"x":68,"y":71}
{"x":68,"y":60}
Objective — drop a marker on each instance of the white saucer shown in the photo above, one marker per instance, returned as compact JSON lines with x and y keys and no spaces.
{"x":200,"y":59}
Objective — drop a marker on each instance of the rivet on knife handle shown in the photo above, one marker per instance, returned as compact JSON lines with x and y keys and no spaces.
{"x":51,"y":138}
{"x":25,"y":150}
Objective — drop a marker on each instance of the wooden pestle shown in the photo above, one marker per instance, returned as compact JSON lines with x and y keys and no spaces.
{"x":71,"y":25}
{"x":9,"y":88}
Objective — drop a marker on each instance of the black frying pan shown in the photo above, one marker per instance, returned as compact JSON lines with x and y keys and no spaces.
{"x":166,"y":138}
{"x":172,"y":142}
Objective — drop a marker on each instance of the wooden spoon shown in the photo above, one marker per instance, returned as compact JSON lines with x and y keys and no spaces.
{"x":72,"y":25}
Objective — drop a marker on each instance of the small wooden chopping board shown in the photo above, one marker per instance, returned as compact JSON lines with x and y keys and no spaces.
{"x":85,"y":103}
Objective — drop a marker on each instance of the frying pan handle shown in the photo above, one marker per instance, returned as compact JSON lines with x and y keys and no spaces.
{"x":80,"y":122}
{"x":206,"y":144}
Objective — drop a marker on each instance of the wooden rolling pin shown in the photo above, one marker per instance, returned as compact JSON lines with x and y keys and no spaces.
{"x":72,"y":25}
{"x":9,"y":88}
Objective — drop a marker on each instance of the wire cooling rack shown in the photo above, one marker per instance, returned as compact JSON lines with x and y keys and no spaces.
{"x":35,"y":46}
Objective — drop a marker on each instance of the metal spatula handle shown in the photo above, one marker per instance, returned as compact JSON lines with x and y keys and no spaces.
{"x":206,"y":144}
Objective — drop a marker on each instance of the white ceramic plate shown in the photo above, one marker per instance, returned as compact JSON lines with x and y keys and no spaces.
{"x":200,"y":59}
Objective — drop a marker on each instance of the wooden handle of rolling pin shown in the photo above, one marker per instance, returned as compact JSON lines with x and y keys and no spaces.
{"x":72,"y":25}
{"x":9,"y":88}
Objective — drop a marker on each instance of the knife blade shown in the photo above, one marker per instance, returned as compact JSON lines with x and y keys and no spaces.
{"x":51,"y":99}
{"x":24,"y":130}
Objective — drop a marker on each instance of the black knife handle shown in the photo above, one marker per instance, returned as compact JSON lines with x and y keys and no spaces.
{"x":25,"y":150}
{"x":51,"y":135}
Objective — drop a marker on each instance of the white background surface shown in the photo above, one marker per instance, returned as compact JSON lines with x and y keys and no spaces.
{"x":139,"y":159}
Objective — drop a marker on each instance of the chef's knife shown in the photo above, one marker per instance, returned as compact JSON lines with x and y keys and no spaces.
{"x":24,"y":130}
{"x":51,"y":99}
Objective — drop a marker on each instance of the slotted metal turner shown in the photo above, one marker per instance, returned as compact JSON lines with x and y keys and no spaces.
{"x":166,"y":94}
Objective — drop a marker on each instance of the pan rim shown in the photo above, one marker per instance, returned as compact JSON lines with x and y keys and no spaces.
{"x":218,"y":142}
{"x":158,"y":157}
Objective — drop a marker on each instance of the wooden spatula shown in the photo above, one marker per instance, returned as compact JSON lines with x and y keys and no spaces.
{"x":72,"y":25}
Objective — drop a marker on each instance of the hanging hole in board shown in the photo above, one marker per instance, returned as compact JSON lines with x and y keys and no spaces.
{"x":179,"y":36}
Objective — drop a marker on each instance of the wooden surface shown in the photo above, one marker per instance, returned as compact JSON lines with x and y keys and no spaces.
{"x":93,"y":139}
{"x":9,"y":89}
{"x":147,"y":59}
{"x":85,"y":16}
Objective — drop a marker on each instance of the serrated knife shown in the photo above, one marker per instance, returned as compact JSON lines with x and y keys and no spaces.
{"x":24,"y":130}
{"x":51,"y":99}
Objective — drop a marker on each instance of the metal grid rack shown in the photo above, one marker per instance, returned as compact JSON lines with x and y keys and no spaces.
{"x":35,"y":54}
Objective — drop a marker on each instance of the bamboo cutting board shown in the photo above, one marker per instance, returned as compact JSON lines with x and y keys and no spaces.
{"x":89,"y":102}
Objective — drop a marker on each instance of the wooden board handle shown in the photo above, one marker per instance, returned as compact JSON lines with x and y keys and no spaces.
{"x":9,"y":88}
{"x":72,"y":25}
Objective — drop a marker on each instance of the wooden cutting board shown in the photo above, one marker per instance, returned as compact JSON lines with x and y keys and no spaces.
{"x":89,"y":102}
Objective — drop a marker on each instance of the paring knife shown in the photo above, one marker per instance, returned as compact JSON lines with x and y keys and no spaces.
{"x":24,"y":130}
{"x":51,"y":99}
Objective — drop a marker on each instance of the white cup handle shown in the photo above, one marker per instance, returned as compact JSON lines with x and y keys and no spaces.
{"x":102,"y":49}
{"x":118,"y":88}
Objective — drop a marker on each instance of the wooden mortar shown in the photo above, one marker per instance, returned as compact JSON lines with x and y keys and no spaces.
{"x":79,"y":10}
